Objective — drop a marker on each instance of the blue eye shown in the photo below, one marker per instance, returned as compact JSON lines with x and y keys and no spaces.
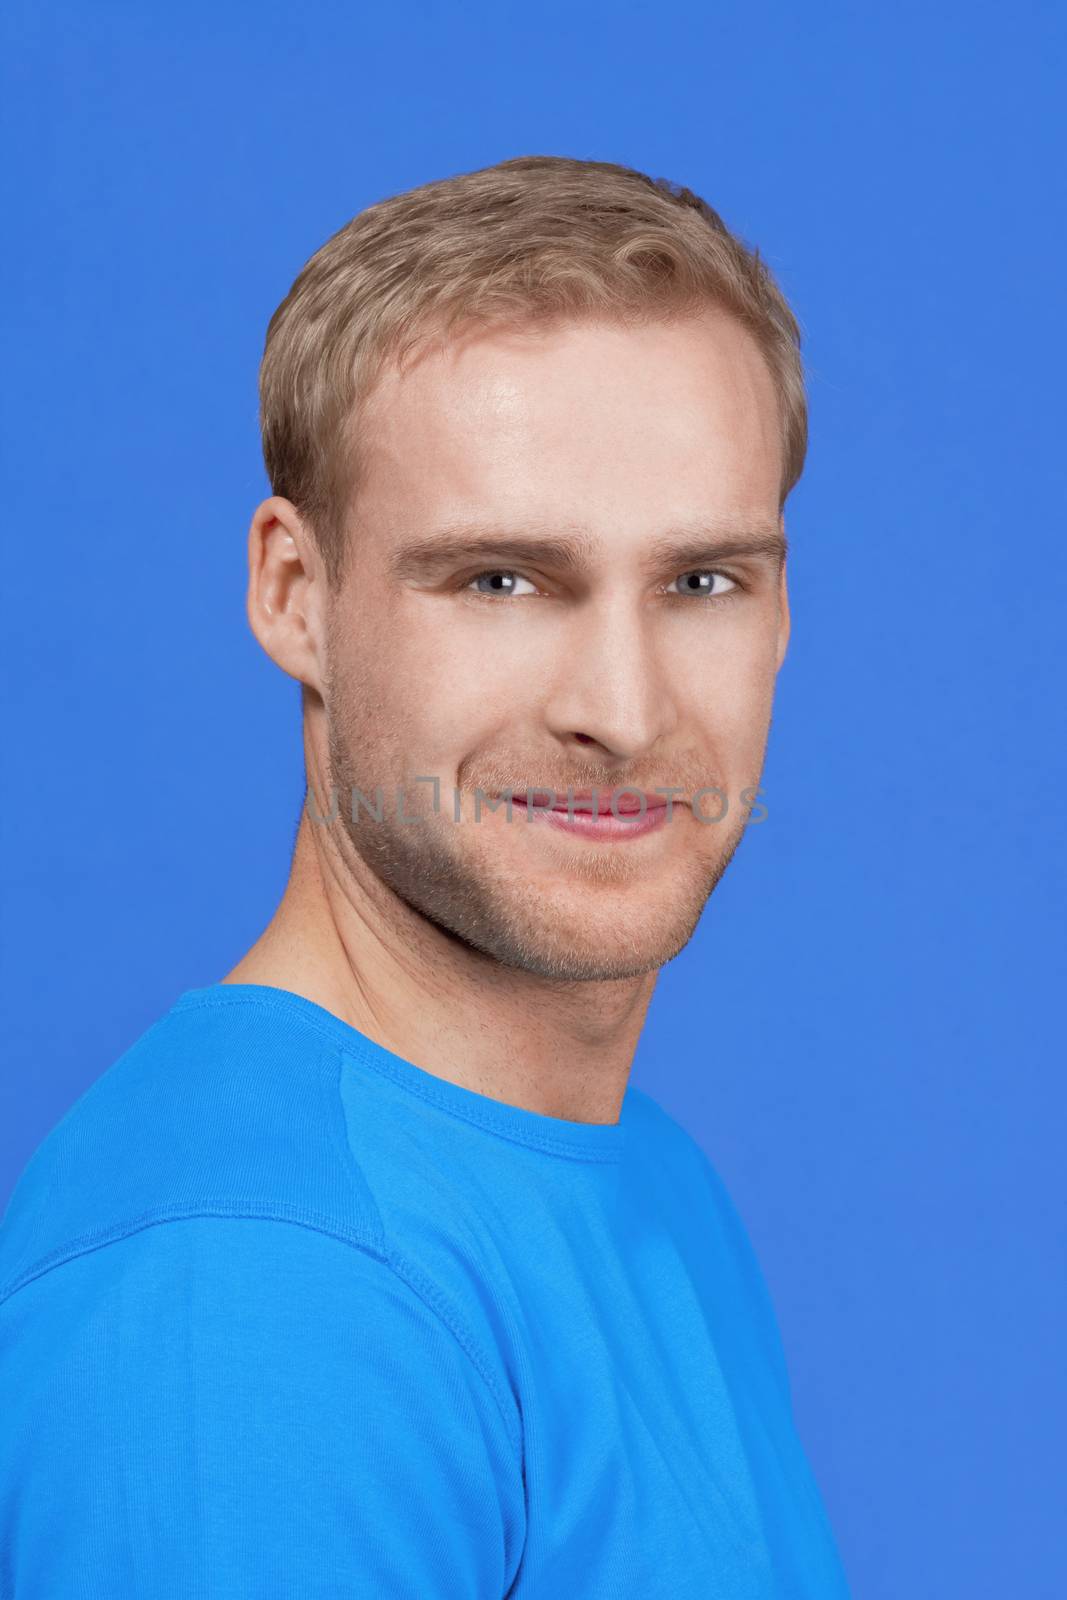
{"x":493,"y":576}
{"x":702,"y":588}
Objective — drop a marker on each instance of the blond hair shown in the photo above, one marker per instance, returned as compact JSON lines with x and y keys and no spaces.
{"x":534,"y":237}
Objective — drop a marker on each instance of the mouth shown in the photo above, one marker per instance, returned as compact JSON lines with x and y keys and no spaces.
{"x":592,"y":815}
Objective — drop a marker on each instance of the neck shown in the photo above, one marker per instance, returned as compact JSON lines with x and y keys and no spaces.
{"x":344,"y":940}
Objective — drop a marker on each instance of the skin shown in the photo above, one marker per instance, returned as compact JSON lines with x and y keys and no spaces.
{"x":512,"y":958}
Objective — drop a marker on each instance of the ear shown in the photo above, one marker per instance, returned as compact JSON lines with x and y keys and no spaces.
{"x":783,"y":612}
{"x":286,"y":586}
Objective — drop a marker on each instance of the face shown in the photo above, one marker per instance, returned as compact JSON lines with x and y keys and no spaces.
{"x":549,"y":588}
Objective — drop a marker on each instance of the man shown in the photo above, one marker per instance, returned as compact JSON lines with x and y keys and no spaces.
{"x":364,"y":1272}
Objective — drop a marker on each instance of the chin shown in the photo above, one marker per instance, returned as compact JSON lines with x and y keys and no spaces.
{"x":593,"y":958}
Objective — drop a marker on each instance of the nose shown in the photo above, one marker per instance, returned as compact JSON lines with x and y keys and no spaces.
{"x":613,"y":686}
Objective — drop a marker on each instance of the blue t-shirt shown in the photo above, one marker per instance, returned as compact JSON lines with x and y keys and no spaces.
{"x":284,"y":1315}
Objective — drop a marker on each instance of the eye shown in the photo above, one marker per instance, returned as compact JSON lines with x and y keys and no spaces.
{"x":700,"y":584}
{"x":501,"y":581}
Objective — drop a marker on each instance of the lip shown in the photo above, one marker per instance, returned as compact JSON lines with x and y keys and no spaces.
{"x":633,"y":820}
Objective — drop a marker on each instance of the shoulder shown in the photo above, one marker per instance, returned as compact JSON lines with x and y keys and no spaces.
{"x":215,"y":1110}
{"x":705,"y":1211}
{"x":679,"y":1162}
{"x":259,"y":1306}
{"x":204,"y":1189}
{"x":658,"y":1135}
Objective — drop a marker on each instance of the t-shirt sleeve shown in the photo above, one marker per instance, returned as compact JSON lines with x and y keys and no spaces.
{"x":236,"y":1407}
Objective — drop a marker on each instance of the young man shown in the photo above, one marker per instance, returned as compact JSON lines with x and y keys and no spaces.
{"x":364,"y":1272}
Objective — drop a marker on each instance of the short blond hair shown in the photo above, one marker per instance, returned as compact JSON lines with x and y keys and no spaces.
{"x":534,"y":237}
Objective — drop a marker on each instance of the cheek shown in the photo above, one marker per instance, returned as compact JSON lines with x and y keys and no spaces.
{"x":729,"y":687}
{"x":418,"y":689}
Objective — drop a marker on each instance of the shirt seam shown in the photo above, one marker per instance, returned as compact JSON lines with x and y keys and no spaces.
{"x":316,"y":1222}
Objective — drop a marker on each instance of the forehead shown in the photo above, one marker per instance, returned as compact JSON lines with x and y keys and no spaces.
{"x":598,"y":419}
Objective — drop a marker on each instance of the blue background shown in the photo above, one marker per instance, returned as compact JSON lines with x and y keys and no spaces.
{"x":865,"y":1034}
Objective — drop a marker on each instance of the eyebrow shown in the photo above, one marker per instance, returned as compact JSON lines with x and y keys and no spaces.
{"x":457,"y":543}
